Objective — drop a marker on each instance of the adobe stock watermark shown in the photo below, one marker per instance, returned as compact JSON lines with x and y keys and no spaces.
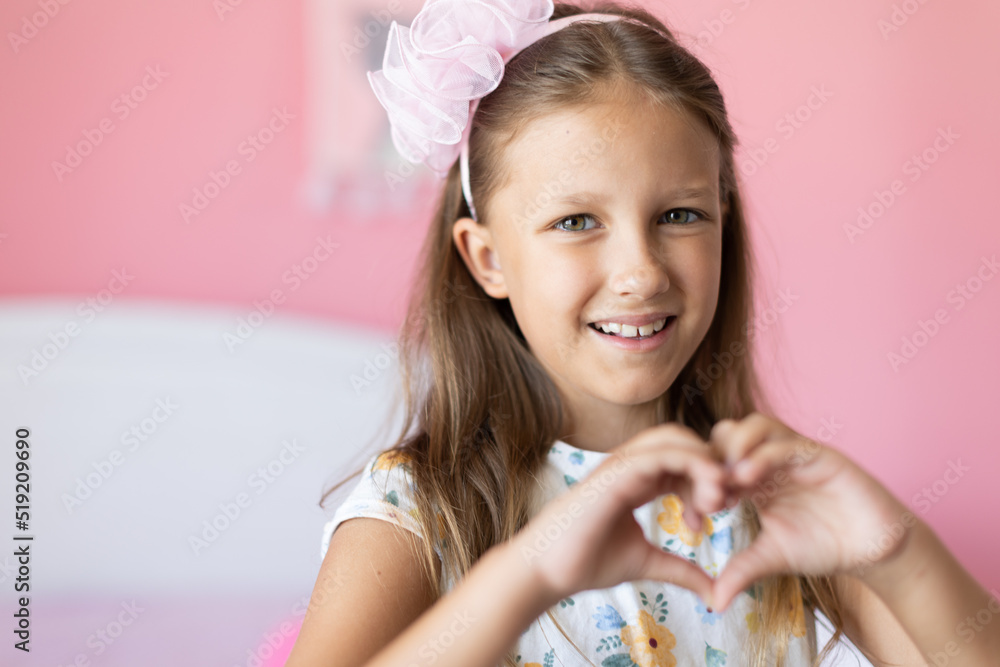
{"x":231,"y":510}
{"x":432,"y":649}
{"x":804,"y":451}
{"x":362,"y":35}
{"x":374,"y":368}
{"x":591,"y":488}
{"x":59,"y":340}
{"x":105,"y":636}
{"x":326,"y":586}
{"x":122,"y":107}
{"x":900,"y":15}
{"x":33,"y":23}
{"x":583,"y":155}
{"x":404,"y":169}
{"x":761,"y":322}
{"x":271,"y":642}
{"x":716,"y":26}
{"x":294,"y":277}
{"x":928,"y":496}
{"x":249,"y":149}
{"x":915,"y":167}
{"x":136,"y":436}
{"x":751,"y":159}
{"x":926,"y":330}
{"x":7,"y":569}
{"x":967,"y":629}
{"x":224,"y":7}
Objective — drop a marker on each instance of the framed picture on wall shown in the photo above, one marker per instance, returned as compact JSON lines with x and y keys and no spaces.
{"x":351,"y":163}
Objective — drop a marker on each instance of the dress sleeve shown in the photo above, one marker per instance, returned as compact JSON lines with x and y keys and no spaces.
{"x":385,"y":491}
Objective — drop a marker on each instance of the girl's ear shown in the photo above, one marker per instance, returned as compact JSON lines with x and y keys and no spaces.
{"x":477,"y":247}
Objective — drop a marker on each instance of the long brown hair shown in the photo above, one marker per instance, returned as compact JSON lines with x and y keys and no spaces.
{"x":480,"y":411}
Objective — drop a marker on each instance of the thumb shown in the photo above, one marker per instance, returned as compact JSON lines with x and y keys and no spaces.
{"x":677,"y":570}
{"x":744,"y":568}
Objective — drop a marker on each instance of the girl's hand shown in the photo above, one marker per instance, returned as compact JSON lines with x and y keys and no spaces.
{"x":820,"y":513}
{"x":588,"y":538}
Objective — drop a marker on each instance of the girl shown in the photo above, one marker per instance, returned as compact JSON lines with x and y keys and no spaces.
{"x":570,"y":487}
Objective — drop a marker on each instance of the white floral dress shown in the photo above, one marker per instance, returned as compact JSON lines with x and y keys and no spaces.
{"x":643,"y":623}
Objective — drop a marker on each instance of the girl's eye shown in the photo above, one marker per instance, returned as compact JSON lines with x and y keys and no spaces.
{"x":575,"y":216}
{"x":682,"y":216}
{"x":677,"y":216}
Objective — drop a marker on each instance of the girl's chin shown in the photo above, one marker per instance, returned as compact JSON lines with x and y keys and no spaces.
{"x":634,"y":396}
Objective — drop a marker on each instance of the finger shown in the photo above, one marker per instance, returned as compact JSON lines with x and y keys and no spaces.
{"x":670,"y":433}
{"x":699,"y":496}
{"x":691,"y":517}
{"x":697,"y":501}
{"x":663,"y":566}
{"x":744,"y":568}
{"x":733,"y":439}
{"x":640,"y":476}
{"x":629,"y":480}
{"x":721,"y":429}
{"x":763,"y":461}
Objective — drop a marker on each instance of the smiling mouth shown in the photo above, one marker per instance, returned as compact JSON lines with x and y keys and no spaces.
{"x":666,"y":324}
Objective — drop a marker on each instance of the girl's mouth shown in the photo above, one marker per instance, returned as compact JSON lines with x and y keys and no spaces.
{"x":666,"y":326}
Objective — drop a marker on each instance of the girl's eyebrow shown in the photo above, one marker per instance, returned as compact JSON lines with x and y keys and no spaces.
{"x":688,"y":192}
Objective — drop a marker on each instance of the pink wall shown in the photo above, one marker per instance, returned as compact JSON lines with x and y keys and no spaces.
{"x":888,"y":96}
{"x":120,"y":207}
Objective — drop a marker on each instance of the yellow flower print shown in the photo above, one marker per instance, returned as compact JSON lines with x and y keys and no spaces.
{"x":753,"y":621}
{"x":649,"y":642}
{"x":672,"y":521}
{"x":532,"y":664}
{"x":390,"y":458}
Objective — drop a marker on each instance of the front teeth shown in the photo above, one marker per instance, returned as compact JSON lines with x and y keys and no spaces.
{"x":629,"y":331}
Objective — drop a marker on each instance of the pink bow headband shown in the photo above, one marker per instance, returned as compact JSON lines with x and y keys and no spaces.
{"x":435,"y":72}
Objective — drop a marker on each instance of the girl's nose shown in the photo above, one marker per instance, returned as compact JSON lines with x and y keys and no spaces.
{"x":640,"y":269}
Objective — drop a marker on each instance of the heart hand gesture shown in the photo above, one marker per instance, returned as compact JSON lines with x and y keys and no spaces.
{"x":820,"y":513}
{"x":588,"y":538}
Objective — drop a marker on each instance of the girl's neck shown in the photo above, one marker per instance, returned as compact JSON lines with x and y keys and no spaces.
{"x":598,"y":431}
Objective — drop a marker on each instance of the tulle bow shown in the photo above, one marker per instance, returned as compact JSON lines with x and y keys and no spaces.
{"x":434,"y":72}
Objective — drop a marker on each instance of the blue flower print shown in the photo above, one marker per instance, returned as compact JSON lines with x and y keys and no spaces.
{"x":576,"y":458}
{"x":608,"y":618}
{"x":714,"y":657}
{"x":707,"y":615}
{"x":722,"y":540}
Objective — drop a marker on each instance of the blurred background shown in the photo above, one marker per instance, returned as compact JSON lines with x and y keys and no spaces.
{"x":207,"y":239}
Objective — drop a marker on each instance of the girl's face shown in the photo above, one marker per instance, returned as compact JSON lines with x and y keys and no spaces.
{"x":611,"y":215}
